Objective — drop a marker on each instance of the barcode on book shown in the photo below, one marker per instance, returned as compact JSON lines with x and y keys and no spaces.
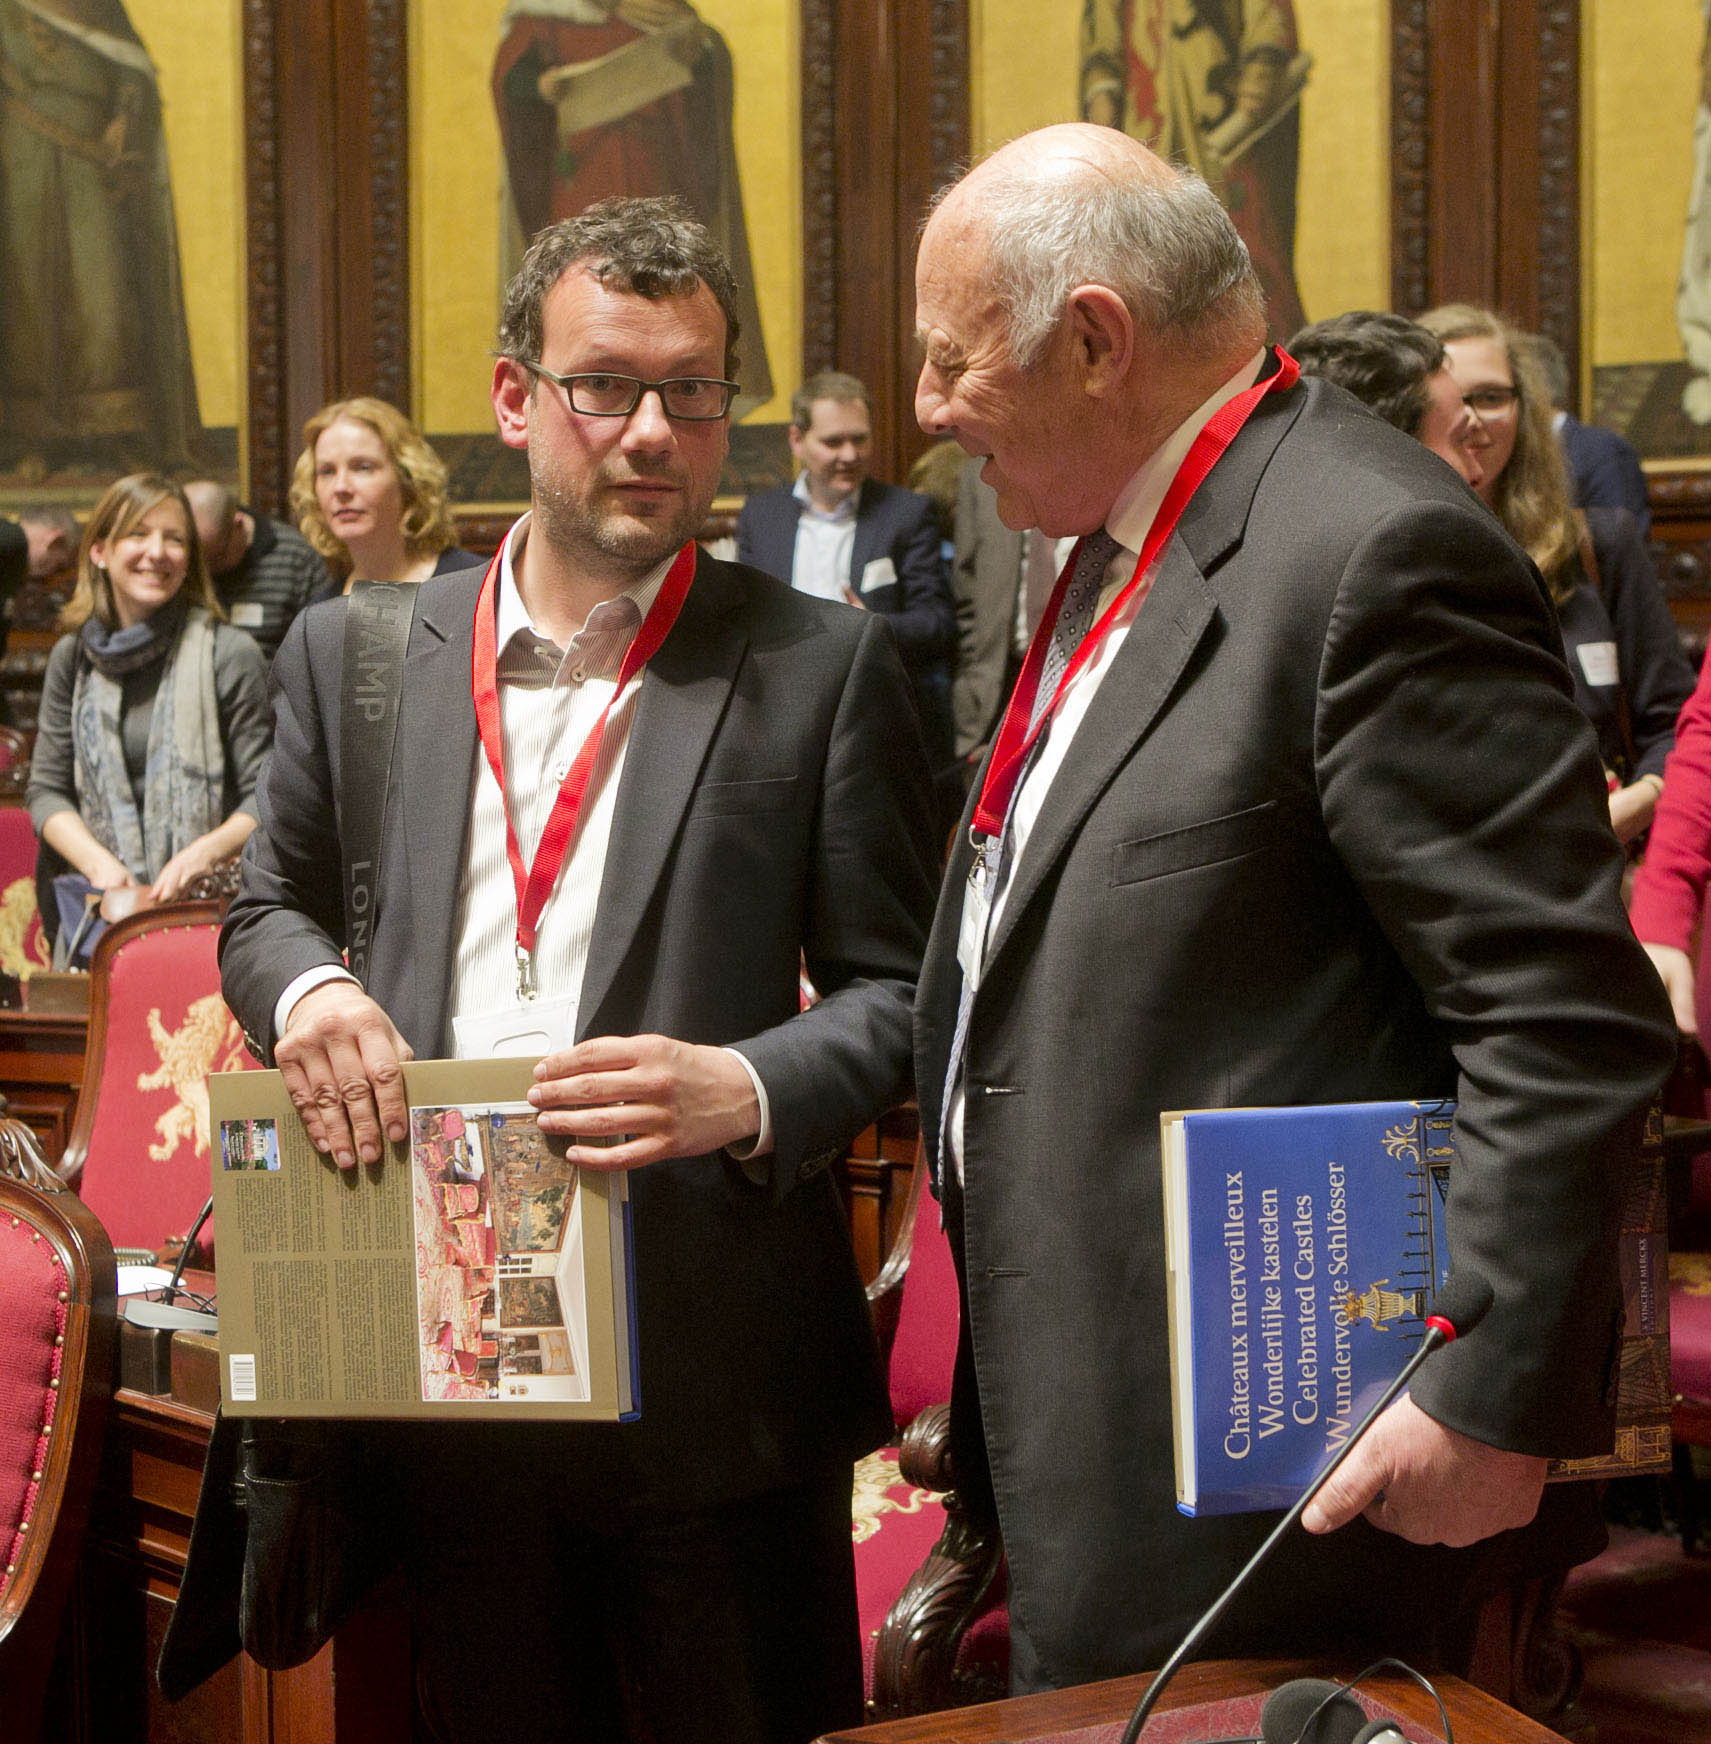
{"x":243,"y":1378}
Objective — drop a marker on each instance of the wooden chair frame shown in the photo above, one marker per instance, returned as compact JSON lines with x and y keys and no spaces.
{"x":33,"y":1599}
{"x":169,"y":914}
{"x":914,"y":1662}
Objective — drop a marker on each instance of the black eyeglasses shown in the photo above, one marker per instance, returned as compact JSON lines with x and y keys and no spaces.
{"x":1491,"y":401}
{"x":690,"y":399}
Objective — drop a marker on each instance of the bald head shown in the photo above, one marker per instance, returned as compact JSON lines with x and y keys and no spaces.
{"x":1078,"y":204}
{"x":214,"y":508}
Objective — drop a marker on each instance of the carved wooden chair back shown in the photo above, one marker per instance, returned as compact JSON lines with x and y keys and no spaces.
{"x":58,"y":1327}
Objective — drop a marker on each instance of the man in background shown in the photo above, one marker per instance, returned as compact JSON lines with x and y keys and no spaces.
{"x":839,"y":534}
{"x":264,"y":571}
{"x":1302,"y":811}
{"x":1398,"y":370}
{"x":1603,"y":468}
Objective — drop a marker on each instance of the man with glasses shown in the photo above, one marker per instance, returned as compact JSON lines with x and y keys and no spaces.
{"x":755,"y":798}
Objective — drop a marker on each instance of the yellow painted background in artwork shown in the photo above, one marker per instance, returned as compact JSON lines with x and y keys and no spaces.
{"x":1640,"y":84}
{"x":196,"y":52}
{"x":455,"y":180}
{"x":1024,"y":60}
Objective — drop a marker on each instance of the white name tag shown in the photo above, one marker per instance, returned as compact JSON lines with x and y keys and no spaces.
{"x":1598,"y":662}
{"x":248,"y":615}
{"x":971,"y":931}
{"x":881,"y":572}
{"x":543,"y":1026}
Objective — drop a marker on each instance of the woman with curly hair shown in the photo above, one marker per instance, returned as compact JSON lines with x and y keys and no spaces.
{"x":1630,"y":675}
{"x":370,"y":495}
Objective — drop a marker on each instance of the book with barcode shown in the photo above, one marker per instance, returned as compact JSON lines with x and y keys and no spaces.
{"x":473,"y":1272}
{"x":1304,"y":1247}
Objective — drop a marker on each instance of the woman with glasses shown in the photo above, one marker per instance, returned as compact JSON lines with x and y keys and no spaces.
{"x":1630,"y":675}
{"x":370,"y":495}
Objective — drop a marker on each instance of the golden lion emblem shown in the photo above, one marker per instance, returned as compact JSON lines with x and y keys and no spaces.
{"x":875,"y":1477}
{"x":17,"y":910}
{"x":208,"y":1041}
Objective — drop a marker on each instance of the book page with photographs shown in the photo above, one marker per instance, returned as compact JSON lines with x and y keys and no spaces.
{"x":473,"y":1272}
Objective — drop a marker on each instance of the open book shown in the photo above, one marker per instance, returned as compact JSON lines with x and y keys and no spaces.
{"x":474,"y":1272}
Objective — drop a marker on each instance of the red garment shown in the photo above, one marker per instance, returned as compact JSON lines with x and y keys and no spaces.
{"x":1669,"y":888}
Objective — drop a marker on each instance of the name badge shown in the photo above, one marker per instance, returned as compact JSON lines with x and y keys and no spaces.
{"x":881,"y":572}
{"x":971,"y":931}
{"x":248,"y":615}
{"x":543,"y":1026}
{"x":1598,"y":662}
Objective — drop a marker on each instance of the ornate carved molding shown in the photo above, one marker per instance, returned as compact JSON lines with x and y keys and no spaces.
{"x":389,"y":204}
{"x":1559,"y":176}
{"x":819,"y":188}
{"x":947,"y":124}
{"x":1410,"y":84}
{"x":264,"y":408}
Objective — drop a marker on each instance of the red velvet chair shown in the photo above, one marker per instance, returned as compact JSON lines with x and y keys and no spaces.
{"x":929,"y":1577}
{"x":57,"y":1334}
{"x":23,"y":947}
{"x":138,"y":1152}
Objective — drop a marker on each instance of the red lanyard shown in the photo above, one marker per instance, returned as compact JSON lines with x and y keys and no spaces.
{"x":535,"y":884}
{"x":1015,"y":738}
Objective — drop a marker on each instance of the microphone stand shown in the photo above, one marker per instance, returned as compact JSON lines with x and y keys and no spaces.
{"x":1436,"y":1336}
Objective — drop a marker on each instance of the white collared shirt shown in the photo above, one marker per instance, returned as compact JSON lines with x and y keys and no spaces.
{"x":825,"y":545}
{"x":542,"y":726}
{"x":1129,"y":522}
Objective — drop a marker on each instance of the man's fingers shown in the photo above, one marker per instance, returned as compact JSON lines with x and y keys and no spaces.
{"x":597,"y":1054}
{"x":378,"y":1048}
{"x":635,"y":1117}
{"x":1355,"y":1484}
{"x":350,"y":1077}
{"x":584,"y":1088}
{"x":635,"y":1154}
{"x":303,"y":1100}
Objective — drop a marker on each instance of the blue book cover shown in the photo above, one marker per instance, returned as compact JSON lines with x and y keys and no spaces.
{"x":1304,"y":1246}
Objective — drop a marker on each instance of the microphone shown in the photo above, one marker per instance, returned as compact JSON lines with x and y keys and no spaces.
{"x":162,"y":1316}
{"x":1457,"y":1309}
{"x":1312,"y":1711}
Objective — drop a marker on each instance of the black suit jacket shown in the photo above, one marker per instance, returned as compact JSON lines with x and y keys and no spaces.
{"x":985,"y":578}
{"x":769,"y":807}
{"x":1604,"y":469}
{"x":1331,"y":830}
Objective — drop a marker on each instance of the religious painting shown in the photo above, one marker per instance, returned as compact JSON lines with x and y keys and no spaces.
{"x":1646,"y":224}
{"x":1280,"y":104}
{"x":120,"y":193}
{"x":524,"y":112}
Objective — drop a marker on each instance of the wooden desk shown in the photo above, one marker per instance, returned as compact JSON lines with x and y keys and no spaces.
{"x":41,"y":1072}
{"x":355,"y":1691}
{"x":1095,"y":1713}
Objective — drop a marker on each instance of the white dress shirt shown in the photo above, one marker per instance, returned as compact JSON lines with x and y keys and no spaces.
{"x":1129,"y":522}
{"x":549,"y":701}
{"x":825,"y":545}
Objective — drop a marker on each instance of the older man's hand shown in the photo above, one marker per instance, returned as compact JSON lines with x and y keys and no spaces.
{"x":341,"y":1059}
{"x":1429,"y":1484}
{"x":666,"y":1099}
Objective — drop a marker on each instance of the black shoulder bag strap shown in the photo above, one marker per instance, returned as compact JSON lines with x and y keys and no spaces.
{"x":377,"y":632}
{"x":286,"y":1541}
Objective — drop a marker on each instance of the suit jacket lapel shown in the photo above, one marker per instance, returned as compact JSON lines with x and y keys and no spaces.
{"x":684,"y":691}
{"x":436,"y":739}
{"x":1164,"y":635}
{"x":866,"y":544}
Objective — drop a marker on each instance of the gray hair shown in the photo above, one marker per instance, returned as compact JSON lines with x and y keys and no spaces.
{"x":1168,"y":249}
{"x":651,"y":247}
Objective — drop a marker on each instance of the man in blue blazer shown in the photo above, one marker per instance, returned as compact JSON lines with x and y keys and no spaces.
{"x":841,"y":535}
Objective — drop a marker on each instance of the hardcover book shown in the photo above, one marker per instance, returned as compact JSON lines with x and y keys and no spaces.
{"x":1304,"y":1246}
{"x":473,"y":1272}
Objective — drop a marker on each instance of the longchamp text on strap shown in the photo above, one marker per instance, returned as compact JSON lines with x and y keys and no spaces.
{"x":289,"y":1535}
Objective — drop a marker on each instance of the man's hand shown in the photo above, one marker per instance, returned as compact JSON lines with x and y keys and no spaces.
{"x":341,"y":1058}
{"x":669,"y":1099}
{"x":1631,"y":807}
{"x":1429,"y":1484}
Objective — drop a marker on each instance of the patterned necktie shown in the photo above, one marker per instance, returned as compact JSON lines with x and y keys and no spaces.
{"x":1074,"y":620}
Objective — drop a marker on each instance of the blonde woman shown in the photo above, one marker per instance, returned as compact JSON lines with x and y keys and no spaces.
{"x":1630,"y":675}
{"x":154,"y":715}
{"x":370,"y":495}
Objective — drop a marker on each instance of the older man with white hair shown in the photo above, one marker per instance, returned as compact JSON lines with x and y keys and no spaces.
{"x":1291,"y":804}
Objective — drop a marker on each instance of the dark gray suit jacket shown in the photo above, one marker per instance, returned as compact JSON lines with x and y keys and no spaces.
{"x":985,"y":578}
{"x":772,"y":804}
{"x":1332,"y":830}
